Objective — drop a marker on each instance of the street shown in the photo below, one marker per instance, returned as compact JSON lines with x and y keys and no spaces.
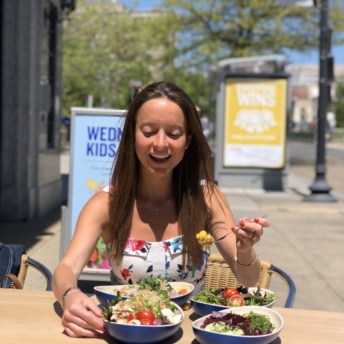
{"x":303,"y":162}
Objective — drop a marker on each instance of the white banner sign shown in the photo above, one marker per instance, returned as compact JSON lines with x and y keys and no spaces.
{"x":95,"y":138}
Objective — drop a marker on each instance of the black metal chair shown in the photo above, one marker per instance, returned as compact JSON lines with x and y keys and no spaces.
{"x":18,"y":281}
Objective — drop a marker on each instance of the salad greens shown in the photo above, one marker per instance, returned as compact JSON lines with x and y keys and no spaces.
{"x":221,"y":327}
{"x":251,"y":324}
{"x":216,"y":296}
{"x":262,"y":322}
{"x":107,"y":311}
{"x":212,"y":295}
{"x":157,"y":283}
{"x":259,"y":298}
{"x":154,"y":304}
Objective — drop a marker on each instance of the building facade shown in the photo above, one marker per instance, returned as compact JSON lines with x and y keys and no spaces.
{"x":31,"y":56}
{"x":304,"y":87}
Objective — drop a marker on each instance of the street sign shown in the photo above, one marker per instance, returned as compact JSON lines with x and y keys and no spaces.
{"x":255,"y":120}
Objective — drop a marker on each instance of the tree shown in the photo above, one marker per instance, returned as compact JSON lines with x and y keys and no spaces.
{"x":106,"y":48}
{"x":216,"y":29}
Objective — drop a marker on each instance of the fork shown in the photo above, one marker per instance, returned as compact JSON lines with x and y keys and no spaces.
{"x":225,"y":236}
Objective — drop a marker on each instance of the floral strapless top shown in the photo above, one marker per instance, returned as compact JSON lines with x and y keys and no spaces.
{"x":142,"y":259}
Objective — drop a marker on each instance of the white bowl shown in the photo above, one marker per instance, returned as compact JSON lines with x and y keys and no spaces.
{"x":262,"y":292}
{"x":142,"y":334}
{"x":182,"y":299}
{"x":206,"y":337}
{"x":107,"y":293}
{"x":203,"y":308}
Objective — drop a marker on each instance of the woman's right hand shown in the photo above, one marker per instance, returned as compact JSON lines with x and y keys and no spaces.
{"x":81,"y":316}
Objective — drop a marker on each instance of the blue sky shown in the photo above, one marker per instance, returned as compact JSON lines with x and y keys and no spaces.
{"x":295,"y":57}
{"x":313,"y":57}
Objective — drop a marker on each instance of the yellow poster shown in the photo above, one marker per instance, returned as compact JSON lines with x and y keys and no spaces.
{"x":255,"y":122}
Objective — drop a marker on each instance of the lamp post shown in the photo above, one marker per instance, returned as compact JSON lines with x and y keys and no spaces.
{"x":320,"y":189}
{"x":67,"y":6}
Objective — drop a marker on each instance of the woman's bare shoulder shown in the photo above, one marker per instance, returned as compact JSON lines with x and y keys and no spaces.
{"x":212,"y":190}
{"x":98,"y":203}
{"x":215,"y":198}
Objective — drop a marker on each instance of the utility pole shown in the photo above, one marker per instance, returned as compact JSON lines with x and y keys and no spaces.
{"x":320,"y":189}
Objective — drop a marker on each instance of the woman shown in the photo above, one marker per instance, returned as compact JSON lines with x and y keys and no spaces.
{"x":162,"y":194}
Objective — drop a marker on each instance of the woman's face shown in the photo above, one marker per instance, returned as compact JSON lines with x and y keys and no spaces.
{"x":160,"y":136}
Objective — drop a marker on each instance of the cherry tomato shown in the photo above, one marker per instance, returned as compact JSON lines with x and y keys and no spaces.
{"x":230,"y":292}
{"x":145,"y":316}
{"x":236,"y":301}
{"x":130,"y":317}
{"x":146,"y":322}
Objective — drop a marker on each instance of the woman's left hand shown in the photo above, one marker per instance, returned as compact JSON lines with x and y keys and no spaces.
{"x":249,"y":232}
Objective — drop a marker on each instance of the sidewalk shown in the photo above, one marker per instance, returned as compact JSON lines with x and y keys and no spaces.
{"x":305,"y":239}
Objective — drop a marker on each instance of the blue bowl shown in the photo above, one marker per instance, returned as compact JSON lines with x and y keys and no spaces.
{"x":206,"y":337}
{"x":106,"y":293}
{"x":142,"y":334}
{"x":203,"y":308}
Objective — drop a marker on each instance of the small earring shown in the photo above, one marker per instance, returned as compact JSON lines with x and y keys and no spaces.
{"x":186,"y":147}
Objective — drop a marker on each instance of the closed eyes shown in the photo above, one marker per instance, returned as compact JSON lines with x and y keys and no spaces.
{"x":152,"y":133}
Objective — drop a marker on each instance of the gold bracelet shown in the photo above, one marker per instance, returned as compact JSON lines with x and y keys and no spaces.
{"x":66,"y":293}
{"x":250,"y":264}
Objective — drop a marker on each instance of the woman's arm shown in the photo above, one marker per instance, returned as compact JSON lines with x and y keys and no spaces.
{"x":81,"y":315}
{"x":237,"y":248}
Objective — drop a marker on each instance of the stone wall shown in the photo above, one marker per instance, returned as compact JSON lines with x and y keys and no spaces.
{"x":30,"y":182}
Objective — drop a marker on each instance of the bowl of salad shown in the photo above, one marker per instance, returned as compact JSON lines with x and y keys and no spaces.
{"x":217,"y":299}
{"x":105,"y":293}
{"x":243,"y":325}
{"x":146,"y":317}
{"x":179,"y":292}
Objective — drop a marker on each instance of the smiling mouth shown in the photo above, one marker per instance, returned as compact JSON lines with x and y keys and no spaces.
{"x":160,"y":158}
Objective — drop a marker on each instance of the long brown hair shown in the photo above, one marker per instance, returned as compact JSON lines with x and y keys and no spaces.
{"x":195,"y":166}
